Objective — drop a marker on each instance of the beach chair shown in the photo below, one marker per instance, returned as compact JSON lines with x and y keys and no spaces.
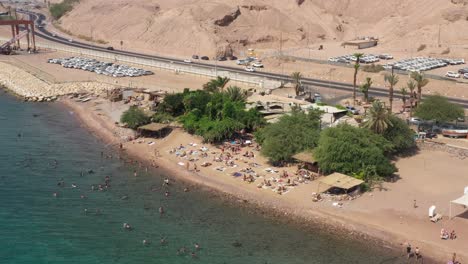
{"x":436,"y":218}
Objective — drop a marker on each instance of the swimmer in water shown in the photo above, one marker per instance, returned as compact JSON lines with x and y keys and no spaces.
{"x":55,"y":194}
{"x":85,"y":211}
{"x":167,"y":194}
{"x":186,"y":189}
{"x":166,"y":181}
{"x":163,"y":241}
{"x":161,"y":210}
{"x":146,"y":242}
{"x":73,"y":185}
{"x":197,"y":246}
{"x":135,"y":173}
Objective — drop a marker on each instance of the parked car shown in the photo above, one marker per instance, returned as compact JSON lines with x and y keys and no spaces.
{"x":431,"y":134}
{"x":195,"y":57}
{"x":232,"y":57}
{"x":452,"y":74}
{"x":70,"y":40}
{"x":385,"y":56}
{"x":110,"y":48}
{"x":241,"y":62}
{"x":352,"y":110}
{"x":204,"y":58}
{"x":465,"y":76}
{"x":415,"y":121}
{"x":257,"y":64}
{"x":187,"y":61}
{"x":221,"y":58}
{"x":463,"y":71}
{"x":250,"y":69}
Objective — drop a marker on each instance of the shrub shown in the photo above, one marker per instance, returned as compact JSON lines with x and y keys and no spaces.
{"x":349,"y":150}
{"x":60,"y":9}
{"x":290,"y":135}
{"x":422,"y":47}
{"x":400,"y":135}
{"x":134,"y":117}
{"x":373,"y":68}
{"x":439,"y":109}
{"x":163,"y":118}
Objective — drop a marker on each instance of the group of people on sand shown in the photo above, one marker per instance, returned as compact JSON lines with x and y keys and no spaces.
{"x":413,"y":253}
{"x":445,"y":235}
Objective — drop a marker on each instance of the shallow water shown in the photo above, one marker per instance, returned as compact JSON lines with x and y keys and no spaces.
{"x":40,"y":144}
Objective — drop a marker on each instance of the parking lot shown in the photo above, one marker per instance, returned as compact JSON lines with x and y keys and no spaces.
{"x":420,"y":64}
{"x":105,"y":68}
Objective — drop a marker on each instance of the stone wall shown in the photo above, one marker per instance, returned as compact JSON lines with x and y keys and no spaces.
{"x":459,"y":152}
{"x":32,"y":88}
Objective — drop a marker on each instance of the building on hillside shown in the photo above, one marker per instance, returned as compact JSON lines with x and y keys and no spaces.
{"x":361,"y":43}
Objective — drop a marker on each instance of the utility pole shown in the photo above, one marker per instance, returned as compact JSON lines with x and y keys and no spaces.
{"x":438,"y":39}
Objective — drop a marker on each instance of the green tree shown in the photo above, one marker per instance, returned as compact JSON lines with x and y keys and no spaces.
{"x":364,"y":89}
{"x":399,"y":135}
{"x":290,"y":135}
{"x":216,"y":85}
{"x":411,"y":86}
{"x":172,"y":104}
{"x":357,"y":65}
{"x":134,"y":117}
{"x":377,"y":118}
{"x":421,"y":81}
{"x":439,"y":109}
{"x":234,"y":93}
{"x":404,"y":95}
{"x":347,"y":149}
{"x":297,"y":76}
{"x":392,"y":80}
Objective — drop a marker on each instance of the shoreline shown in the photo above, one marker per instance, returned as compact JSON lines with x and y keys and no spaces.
{"x":287,"y":211}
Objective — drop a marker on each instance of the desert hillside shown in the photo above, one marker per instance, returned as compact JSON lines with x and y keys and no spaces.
{"x":209,"y":27}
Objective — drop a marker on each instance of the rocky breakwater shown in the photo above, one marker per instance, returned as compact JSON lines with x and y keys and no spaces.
{"x":32,"y":88}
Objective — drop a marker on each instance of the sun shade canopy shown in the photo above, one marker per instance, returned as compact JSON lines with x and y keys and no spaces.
{"x":304,"y":157}
{"x":342,"y":181}
{"x":153,"y":127}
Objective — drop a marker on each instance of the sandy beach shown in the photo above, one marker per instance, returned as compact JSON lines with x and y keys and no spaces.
{"x":434,"y":176}
{"x":387,"y":214}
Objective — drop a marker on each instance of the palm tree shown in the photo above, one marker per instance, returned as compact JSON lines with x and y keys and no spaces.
{"x":235,"y":93}
{"x":297,"y":76}
{"x":378,"y":118}
{"x":217,"y":84}
{"x":404,"y":93}
{"x":411,"y":86}
{"x":421,"y":81}
{"x":392,"y":80}
{"x":356,"y":69}
{"x":365,"y":89}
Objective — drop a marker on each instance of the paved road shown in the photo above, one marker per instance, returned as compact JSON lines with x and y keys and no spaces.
{"x":331,"y":85}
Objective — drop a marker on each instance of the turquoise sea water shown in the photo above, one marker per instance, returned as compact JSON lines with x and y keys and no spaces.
{"x":43,"y":144}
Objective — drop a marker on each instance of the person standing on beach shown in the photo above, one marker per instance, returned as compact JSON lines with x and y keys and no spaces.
{"x":414,"y":204}
{"x":188,"y":166}
{"x":417,"y":253}
{"x":408,"y":249}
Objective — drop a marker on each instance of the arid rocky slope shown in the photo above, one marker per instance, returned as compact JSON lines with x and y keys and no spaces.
{"x":207,"y":27}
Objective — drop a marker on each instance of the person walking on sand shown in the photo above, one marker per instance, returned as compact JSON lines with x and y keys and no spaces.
{"x":187,"y":166}
{"x":417,"y":253}
{"x":414,"y":204}
{"x":408,"y":249}
{"x":195,"y":167}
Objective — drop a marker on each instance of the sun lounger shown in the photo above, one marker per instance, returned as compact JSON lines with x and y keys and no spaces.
{"x":436,"y":218}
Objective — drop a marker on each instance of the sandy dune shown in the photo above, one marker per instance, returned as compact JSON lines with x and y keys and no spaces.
{"x":186,"y":27}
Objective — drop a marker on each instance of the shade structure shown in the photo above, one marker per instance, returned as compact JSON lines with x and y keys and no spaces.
{"x":304,"y":157}
{"x":154,"y":127}
{"x":341,"y":181}
{"x":460,"y":201}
